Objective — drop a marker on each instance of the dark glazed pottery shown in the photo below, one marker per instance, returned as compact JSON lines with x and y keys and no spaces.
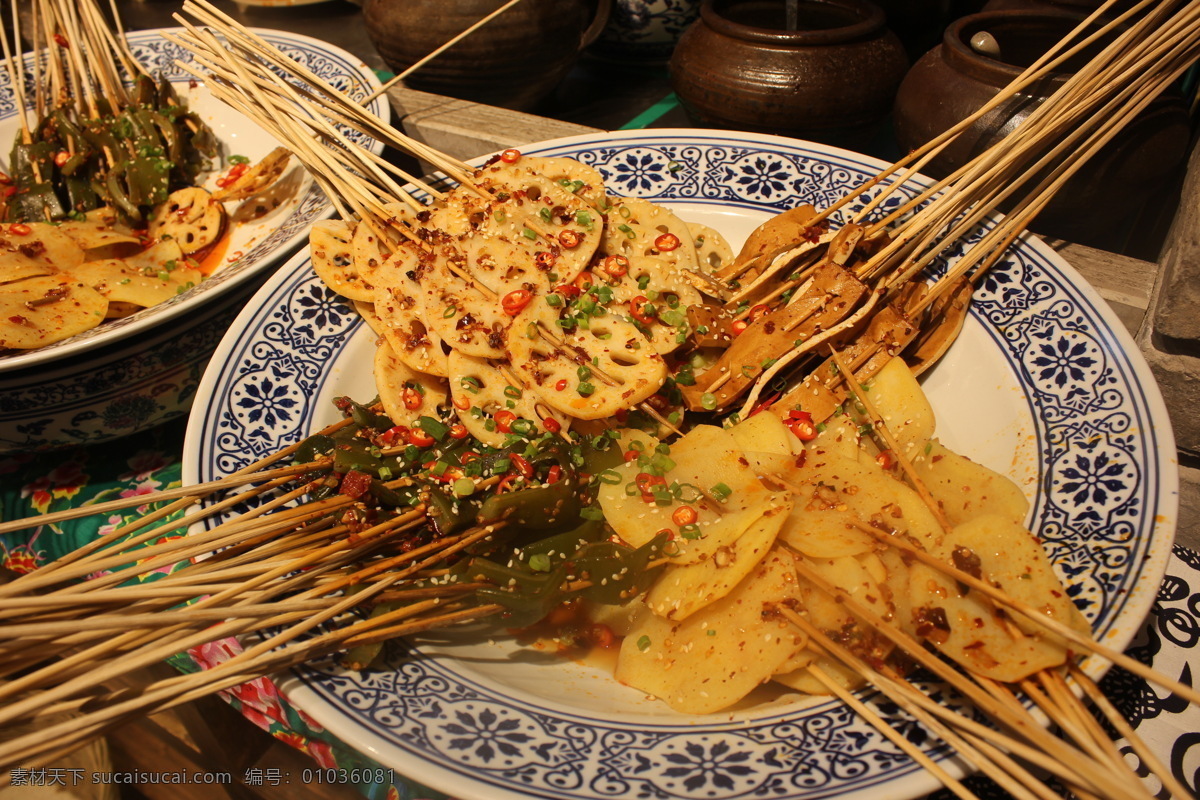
{"x":832,"y":79}
{"x":953,"y":80}
{"x":513,"y":61}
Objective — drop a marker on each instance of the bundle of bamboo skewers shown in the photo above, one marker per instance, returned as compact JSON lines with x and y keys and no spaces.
{"x":283,"y":570}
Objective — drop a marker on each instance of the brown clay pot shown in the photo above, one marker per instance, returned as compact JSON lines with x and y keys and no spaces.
{"x":953,"y":80}
{"x":832,"y":79}
{"x":514,"y":60}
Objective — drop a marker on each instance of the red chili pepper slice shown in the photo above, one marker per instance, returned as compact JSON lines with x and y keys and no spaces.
{"x":462,"y":403}
{"x":20,"y":229}
{"x":561,"y":385}
{"x":738,"y":326}
{"x":667,"y":242}
{"x":616,"y":266}
{"x":600,"y":635}
{"x":551,"y":425}
{"x":521,"y":465}
{"x":419,"y":438}
{"x":412,"y":398}
{"x":235,"y":172}
{"x":61,"y":157}
{"x":554,"y":474}
{"x":637,"y":309}
{"x":646,"y":483}
{"x":510,"y":156}
{"x":504,"y":420}
{"x":886,"y":459}
{"x":570,"y":239}
{"x":800,"y":423}
{"x":758,"y":311}
{"x":684,"y":515}
{"x":458,"y":431}
{"x":515,"y":301}
{"x":393,"y":435}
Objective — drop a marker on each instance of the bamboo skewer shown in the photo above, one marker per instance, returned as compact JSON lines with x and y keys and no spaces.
{"x":244,"y":597}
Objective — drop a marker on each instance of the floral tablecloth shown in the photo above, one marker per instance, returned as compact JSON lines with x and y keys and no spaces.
{"x":35,"y":484}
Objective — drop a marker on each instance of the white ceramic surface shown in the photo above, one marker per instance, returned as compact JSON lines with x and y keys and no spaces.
{"x":1043,"y":384}
{"x":134,"y":373}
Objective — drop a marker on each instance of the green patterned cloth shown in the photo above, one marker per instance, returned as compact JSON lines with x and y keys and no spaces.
{"x":33,"y":484}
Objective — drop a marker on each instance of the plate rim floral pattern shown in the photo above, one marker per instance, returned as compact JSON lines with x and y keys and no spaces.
{"x":265,"y":254}
{"x":1065,"y":327}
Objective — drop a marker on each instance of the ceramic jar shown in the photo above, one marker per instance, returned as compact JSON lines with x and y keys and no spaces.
{"x":953,"y":80}
{"x":831,"y":79}
{"x":514,"y":61}
{"x":644,"y":31}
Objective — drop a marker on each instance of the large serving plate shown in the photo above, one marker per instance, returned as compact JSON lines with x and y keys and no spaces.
{"x":132,"y":373}
{"x":255,"y":245}
{"x":1043,"y":384}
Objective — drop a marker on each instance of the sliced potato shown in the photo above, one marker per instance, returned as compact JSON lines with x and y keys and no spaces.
{"x":38,"y":311}
{"x":872,"y":494}
{"x":1012,"y":559}
{"x":142,"y":284}
{"x":683,"y":590}
{"x":967,"y":629}
{"x":37,"y":248}
{"x":802,"y":680}
{"x":965,"y":489}
{"x":712,"y":660}
{"x":100,"y":230}
{"x":765,"y":441}
{"x":901,"y":402}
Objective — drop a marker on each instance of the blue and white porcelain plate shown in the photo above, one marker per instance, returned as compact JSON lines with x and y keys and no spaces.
{"x":255,"y":245}
{"x":1044,"y":385}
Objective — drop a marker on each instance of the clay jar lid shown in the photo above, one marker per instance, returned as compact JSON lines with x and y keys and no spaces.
{"x":1022,"y":37}
{"x":819,"y":22}
{"x":740,"y":67}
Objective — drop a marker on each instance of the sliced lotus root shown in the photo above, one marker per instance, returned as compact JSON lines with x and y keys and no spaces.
{"x":562,"y":228}
{"x":713,"y":251}
{"x":480,"y":390}
{"x":636,"y":227}
{"x":191,"y":218}
{"x":405,"y":393}
{"x":256,"y":178}
{"x":589,"y":373}
{"x":367,"y":312}
{"x":367,"y":252}
{"x":579,"y":179}
{"x":330,"y":245}
{"x":41,"y":310}
{"x":501,"y":265}
{"x":413,"y":343}
{"x":464,"y":314}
